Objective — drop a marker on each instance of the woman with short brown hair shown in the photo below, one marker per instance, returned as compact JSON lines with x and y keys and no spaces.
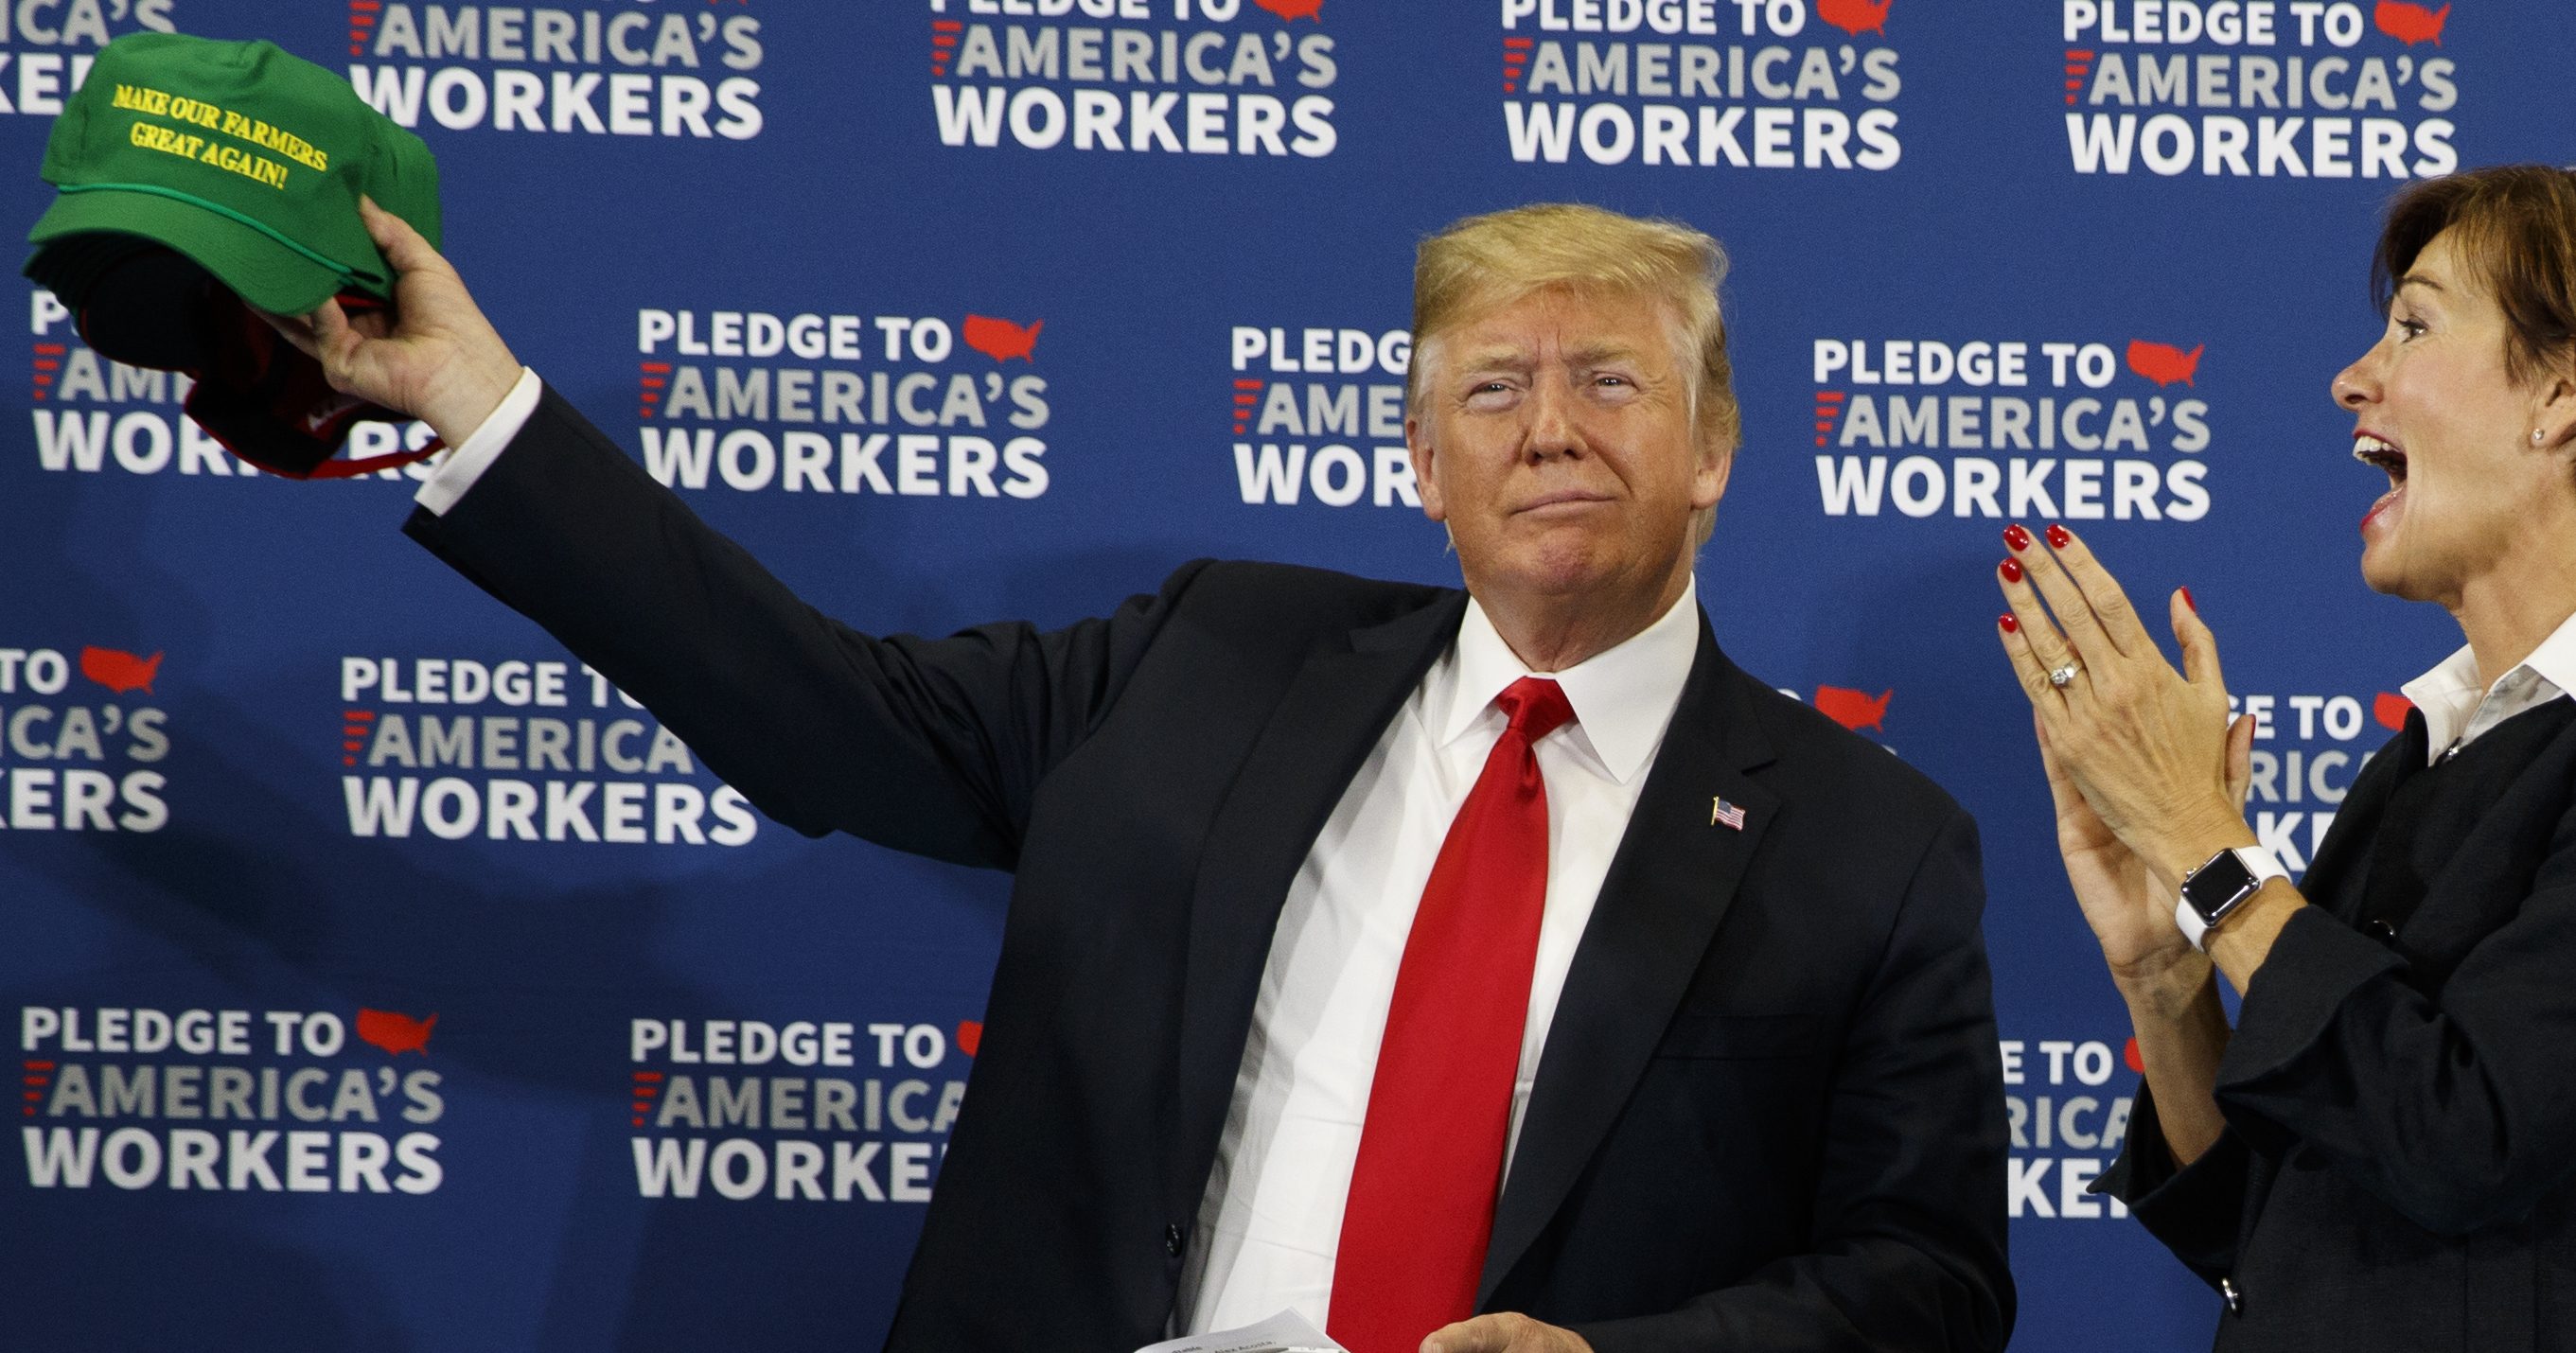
{"x":2382,"y":1152}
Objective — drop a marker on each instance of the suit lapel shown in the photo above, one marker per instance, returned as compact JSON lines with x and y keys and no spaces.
{"x":1670,"y":884}
{"x":2357,"y":818}
{"x":1324,"y":725}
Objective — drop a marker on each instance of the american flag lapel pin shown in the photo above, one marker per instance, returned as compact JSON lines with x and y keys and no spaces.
{"x":1724,"y":814}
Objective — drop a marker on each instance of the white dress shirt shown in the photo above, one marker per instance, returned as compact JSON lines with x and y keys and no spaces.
{"x":1271,"y":1218}
{"x":466,"y":461}
{"x":2456,"y":711}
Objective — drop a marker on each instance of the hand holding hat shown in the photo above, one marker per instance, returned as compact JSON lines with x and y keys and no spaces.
{"x":206,"y":185}
{"x":439,"y":360}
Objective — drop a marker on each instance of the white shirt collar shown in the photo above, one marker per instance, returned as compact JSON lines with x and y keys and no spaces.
{"x":1623,"y":697}
{"x":2456,"y":710}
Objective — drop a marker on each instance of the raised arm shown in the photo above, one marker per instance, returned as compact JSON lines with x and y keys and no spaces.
{"x":934,"y":746}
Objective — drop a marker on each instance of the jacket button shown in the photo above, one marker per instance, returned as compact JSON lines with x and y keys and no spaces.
{"x":2382,"y":931}
{"x":1172,"y":1241}
{"x":2235,"y":1298}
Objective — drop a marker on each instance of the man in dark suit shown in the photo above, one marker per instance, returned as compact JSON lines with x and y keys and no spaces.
{"x":1668,"y":1028}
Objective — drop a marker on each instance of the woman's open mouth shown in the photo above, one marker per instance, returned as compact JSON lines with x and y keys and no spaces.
{"x":2376,"y":451}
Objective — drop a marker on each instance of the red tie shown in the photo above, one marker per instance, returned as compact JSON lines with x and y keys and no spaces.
{"x":1421,"y":1204}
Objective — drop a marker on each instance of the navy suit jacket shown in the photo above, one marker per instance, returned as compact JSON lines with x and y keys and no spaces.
{"x":1769,"y":1112}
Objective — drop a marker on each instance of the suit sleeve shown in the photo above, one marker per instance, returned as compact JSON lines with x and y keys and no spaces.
{"x":934,"y":746}
{"x":2444,"y":1098}
{"x":2196,"y":1210}
{"x":1909,"y":1235}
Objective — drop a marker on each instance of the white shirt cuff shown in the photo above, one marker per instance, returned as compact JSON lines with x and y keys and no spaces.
{"x":466,"y":464}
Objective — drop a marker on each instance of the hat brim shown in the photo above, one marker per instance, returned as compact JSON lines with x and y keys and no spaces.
{"x":261,"y":270}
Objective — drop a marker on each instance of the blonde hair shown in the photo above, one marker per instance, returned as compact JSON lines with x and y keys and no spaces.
{"x":1482,"y":262}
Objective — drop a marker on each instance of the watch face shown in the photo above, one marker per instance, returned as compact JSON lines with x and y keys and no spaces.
{"x":2217,"y":885}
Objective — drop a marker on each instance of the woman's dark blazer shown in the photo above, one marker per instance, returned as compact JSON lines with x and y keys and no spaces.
{"x":2400,"y":1090}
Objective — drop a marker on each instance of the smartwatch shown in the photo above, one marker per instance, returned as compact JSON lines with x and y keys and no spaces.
{"x":2223,"y":882}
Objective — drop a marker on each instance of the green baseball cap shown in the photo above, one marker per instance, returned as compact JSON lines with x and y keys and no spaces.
{"x":242,"y":157}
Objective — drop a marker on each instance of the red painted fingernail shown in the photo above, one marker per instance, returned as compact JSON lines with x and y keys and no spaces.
{"x":2011,"y":569}
{"x":2011,"y":625}
{"x":2187,"y":601}
{"x":2016,"y":538}
{"x":2059,"y":535}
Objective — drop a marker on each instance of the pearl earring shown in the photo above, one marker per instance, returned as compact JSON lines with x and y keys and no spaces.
{"x":2536,"y":437}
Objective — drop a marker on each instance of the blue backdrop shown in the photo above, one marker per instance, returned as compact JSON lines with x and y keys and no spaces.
{"x":382,"y":980}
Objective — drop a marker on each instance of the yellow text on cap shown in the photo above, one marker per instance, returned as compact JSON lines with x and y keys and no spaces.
{"x":162,"y":103}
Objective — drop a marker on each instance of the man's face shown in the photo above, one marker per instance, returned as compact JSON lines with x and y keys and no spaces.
{"x":1554,"y":438}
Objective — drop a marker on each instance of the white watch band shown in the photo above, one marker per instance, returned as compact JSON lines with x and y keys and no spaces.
{"x":2258,"y":862}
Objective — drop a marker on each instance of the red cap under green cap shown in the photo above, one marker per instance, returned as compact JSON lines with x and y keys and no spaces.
{"x":242,"y":157}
